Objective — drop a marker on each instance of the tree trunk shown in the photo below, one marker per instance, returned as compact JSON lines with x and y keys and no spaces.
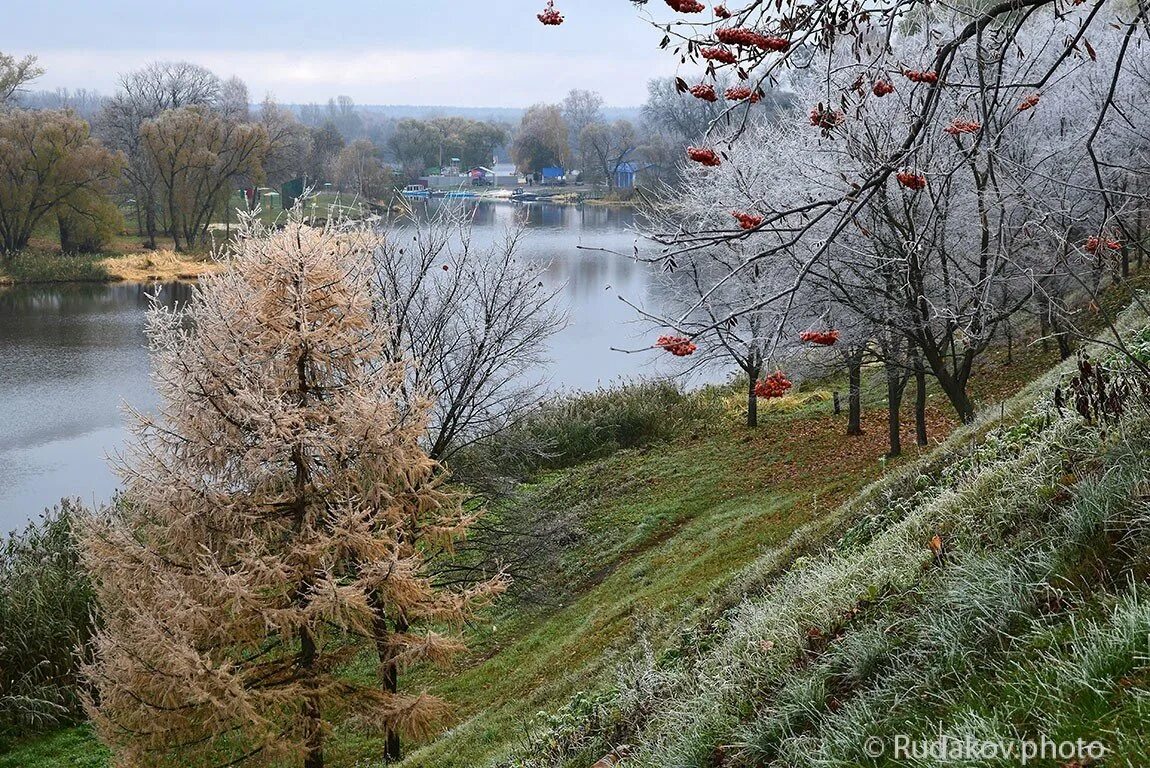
{"x":150,"y":221}
{"x":313,"y":728}
{"x":956,"y":393}
{"x":389,"y":679}
{"x":920,"y":436}
{"x":895,"y":385}
{"x":752,"y":399}
{"x":1044,"y":325}
{"x":1065,"y":350}
{"x":953,"y":382}
{"x":854,"y":404}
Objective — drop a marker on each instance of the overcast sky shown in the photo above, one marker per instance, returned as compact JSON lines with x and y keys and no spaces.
{"x":425,"y":52}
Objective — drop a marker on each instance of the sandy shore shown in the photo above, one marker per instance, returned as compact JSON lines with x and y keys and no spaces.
{"x":160,"y":265}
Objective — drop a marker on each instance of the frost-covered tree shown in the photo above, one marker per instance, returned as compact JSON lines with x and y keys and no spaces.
{"x":279,"y":517}
{"x":969,"y":139}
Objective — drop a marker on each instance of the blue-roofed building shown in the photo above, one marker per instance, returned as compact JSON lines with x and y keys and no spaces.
{"x":625,"y":175}
{"x":552,"y":175}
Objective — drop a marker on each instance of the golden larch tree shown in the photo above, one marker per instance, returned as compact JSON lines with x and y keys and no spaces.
{"x":278,"y":523}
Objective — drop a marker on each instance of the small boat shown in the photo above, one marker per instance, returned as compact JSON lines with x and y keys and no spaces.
{"x":414,"y":190}
{"x":457,"y":194}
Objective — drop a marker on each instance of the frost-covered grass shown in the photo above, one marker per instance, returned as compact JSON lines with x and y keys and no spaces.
{"x":1034,"y":621}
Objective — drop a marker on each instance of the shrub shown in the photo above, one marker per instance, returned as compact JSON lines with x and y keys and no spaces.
{"x":88,"y":229}
{"x":586,"y":426}
{"x":44,"y":267}
{"x":45,"y":601}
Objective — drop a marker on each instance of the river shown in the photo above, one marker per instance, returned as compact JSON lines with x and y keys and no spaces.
{"x":73,"y":356}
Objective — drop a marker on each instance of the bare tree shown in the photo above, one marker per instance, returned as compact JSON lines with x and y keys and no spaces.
{"x":144,"y":95}
{"x":581,"y":109}
{"x":608,"y":146}
{"x":233,"y":102}
{"x":289,"y":143}
{"x":474,"y":319}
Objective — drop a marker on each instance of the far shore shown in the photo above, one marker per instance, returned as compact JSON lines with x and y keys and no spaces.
{"x":161,"y":265}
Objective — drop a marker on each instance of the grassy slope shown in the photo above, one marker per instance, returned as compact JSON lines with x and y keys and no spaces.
{"x":663,"y":530}
{"x":1035,"y":622}
{"x":669,"y":528}
{"x":1032,"y":624}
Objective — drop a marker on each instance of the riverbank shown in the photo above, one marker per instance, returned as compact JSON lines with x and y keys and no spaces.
{"x":161,"y":265}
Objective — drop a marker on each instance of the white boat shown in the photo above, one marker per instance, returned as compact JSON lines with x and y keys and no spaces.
{"x":414,"y":190}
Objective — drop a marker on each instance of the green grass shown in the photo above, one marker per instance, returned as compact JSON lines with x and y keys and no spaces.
{"x":68,"y":748}
{"x":37,"y":266}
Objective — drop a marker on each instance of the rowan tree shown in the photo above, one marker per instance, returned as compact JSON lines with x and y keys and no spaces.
{"x":924,"y":106}
{"x":278,"y":523}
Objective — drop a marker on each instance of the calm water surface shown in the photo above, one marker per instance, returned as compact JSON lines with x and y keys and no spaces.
{"x":72,"y":357}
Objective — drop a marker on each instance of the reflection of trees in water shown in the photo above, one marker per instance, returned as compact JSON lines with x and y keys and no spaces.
{"x":538,"y":215}
{"x":87,"y":320}
{"x":32,"y":306}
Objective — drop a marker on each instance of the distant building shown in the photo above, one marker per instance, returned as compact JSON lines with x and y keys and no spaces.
{"x":552,"y":175}
{"x":506,"y":175}
{"x":442,"y":182}
{"x":625,"y":175}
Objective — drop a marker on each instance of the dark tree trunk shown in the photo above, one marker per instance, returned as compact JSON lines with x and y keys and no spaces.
{"x":952,"y":380}
{"x":389,"y":680}
{"x":313,"y":728}
{"x":838,"y":403}
{"x":752,"y":399}
{"x":854,"y":405}
{"x":1044,"y":325}
{"x":1065,"y":349}
{"x":920,"y":436}
{"x":150,"y":222}
{"x":956,"y":393}
{"x":895,"y":386}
